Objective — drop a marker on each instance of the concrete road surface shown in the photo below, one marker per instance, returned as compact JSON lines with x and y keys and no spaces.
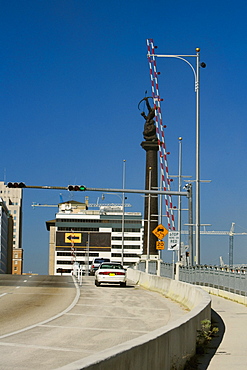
{"x":101,"y":318}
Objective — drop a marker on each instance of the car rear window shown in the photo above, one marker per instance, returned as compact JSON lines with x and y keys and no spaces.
{"x":100,"y":260}
{"x":110,"y":266}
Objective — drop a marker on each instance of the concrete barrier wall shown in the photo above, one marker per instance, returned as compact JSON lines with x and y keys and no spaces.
{"x":168,"y":347}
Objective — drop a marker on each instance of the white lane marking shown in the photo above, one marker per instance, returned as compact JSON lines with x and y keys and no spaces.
{"x":105,"y":316}
{"x":45,"y":347}
{"x":1,"y":295}
{"x":131,"y":330}
{"x":50,"y":319}
{"x":118,"y":306}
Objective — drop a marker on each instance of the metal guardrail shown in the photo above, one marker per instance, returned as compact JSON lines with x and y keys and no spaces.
{"x":223,"y":278}
{"x":166,"y":269}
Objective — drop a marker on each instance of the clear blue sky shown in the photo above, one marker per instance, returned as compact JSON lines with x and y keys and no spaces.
{"x":72,"y":74}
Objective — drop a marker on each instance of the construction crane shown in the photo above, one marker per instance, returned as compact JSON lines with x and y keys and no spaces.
{"x":231,"y":233}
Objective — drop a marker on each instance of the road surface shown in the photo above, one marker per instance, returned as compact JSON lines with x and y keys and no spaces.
{"x":45,"y":324}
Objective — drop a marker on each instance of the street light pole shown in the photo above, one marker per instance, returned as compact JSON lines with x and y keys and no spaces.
{"x":179,"y":189}
{"x":123,"y":206}
{"x":197,"y":88}
{"x":196,"y":73}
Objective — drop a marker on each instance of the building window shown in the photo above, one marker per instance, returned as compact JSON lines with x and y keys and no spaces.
{"x":118,"y":230}
{"x":125,"y":238}
{"x":78,"y":229}
{"x":125,"y":255}
{"x":126,"y":246}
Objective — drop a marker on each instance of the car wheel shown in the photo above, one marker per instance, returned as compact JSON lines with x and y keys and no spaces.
{"x":123,"y":284}
{"x":97,"y":283}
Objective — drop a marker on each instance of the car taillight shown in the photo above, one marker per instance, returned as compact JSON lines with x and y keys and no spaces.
{"x":111,"y":272}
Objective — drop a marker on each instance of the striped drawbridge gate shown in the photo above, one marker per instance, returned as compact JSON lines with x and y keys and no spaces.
{"x":163,"y":162}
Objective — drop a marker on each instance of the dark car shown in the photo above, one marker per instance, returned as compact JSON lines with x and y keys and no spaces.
{"x":96,"y":263}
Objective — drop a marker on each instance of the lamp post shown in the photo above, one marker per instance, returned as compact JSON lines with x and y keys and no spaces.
{"x":196,"y":73}
{"x":179,"y":189}
{"x":123,"y":205}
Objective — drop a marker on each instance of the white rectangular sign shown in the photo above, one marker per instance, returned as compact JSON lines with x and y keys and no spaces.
{"x":173,"y":240}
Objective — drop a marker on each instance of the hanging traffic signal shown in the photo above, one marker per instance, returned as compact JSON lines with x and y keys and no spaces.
{"x":16,"y":185}
{"x":76,"y":188}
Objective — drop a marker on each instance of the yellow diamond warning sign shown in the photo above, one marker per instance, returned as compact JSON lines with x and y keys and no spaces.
{"x":160,"y":231}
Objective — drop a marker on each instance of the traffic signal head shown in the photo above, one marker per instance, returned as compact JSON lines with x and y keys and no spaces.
{"x":76,"y":188}
{"x":16,"y":185}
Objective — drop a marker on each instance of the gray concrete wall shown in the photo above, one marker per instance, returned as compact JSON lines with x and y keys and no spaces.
{"x":168,"y":347}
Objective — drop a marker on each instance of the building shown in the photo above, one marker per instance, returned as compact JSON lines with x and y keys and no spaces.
{"x":12,"y":198}
{"x":6,"y":245}
{"x":79,"y":234}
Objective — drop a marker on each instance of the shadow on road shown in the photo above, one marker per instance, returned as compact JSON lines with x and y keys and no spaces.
{"x":213,"y":345}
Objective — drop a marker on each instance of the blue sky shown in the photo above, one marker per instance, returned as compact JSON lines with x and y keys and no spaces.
{"x":72,"y":74}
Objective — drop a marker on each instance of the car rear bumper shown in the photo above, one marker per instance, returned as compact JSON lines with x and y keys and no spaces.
{"x":111,"y":279}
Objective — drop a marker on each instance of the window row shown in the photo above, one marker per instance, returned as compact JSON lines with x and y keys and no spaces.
{"x":125,"y":255}
{"x":139,"y":222}
{"x":79,"y":254}
{"x":118,"y":230}
{"x":126,"y":238}
{"x":126,"y":246}
{"x":78,"y":229}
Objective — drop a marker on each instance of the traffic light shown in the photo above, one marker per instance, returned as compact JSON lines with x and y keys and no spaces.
{"x":76,"y":188}
{"x":16,"y":185}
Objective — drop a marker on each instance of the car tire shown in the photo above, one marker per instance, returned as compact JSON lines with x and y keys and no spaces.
{"x":123,"y":284}
{"x":97,"y":283}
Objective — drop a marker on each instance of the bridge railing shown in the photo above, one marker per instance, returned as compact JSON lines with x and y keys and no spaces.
{"x":222,"y":278}
{"x":163,"y":269}
{"x":230,"y":280}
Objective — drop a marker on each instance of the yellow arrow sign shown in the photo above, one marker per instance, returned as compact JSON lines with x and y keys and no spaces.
{"x":160,"y":231}
{"x":72,"y":237}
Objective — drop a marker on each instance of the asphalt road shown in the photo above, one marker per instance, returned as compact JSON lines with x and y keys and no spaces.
{"x":26,"y":300}
{"x":45,"y":324}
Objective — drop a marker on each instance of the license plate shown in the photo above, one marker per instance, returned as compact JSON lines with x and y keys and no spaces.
{"x":112,"y":274}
